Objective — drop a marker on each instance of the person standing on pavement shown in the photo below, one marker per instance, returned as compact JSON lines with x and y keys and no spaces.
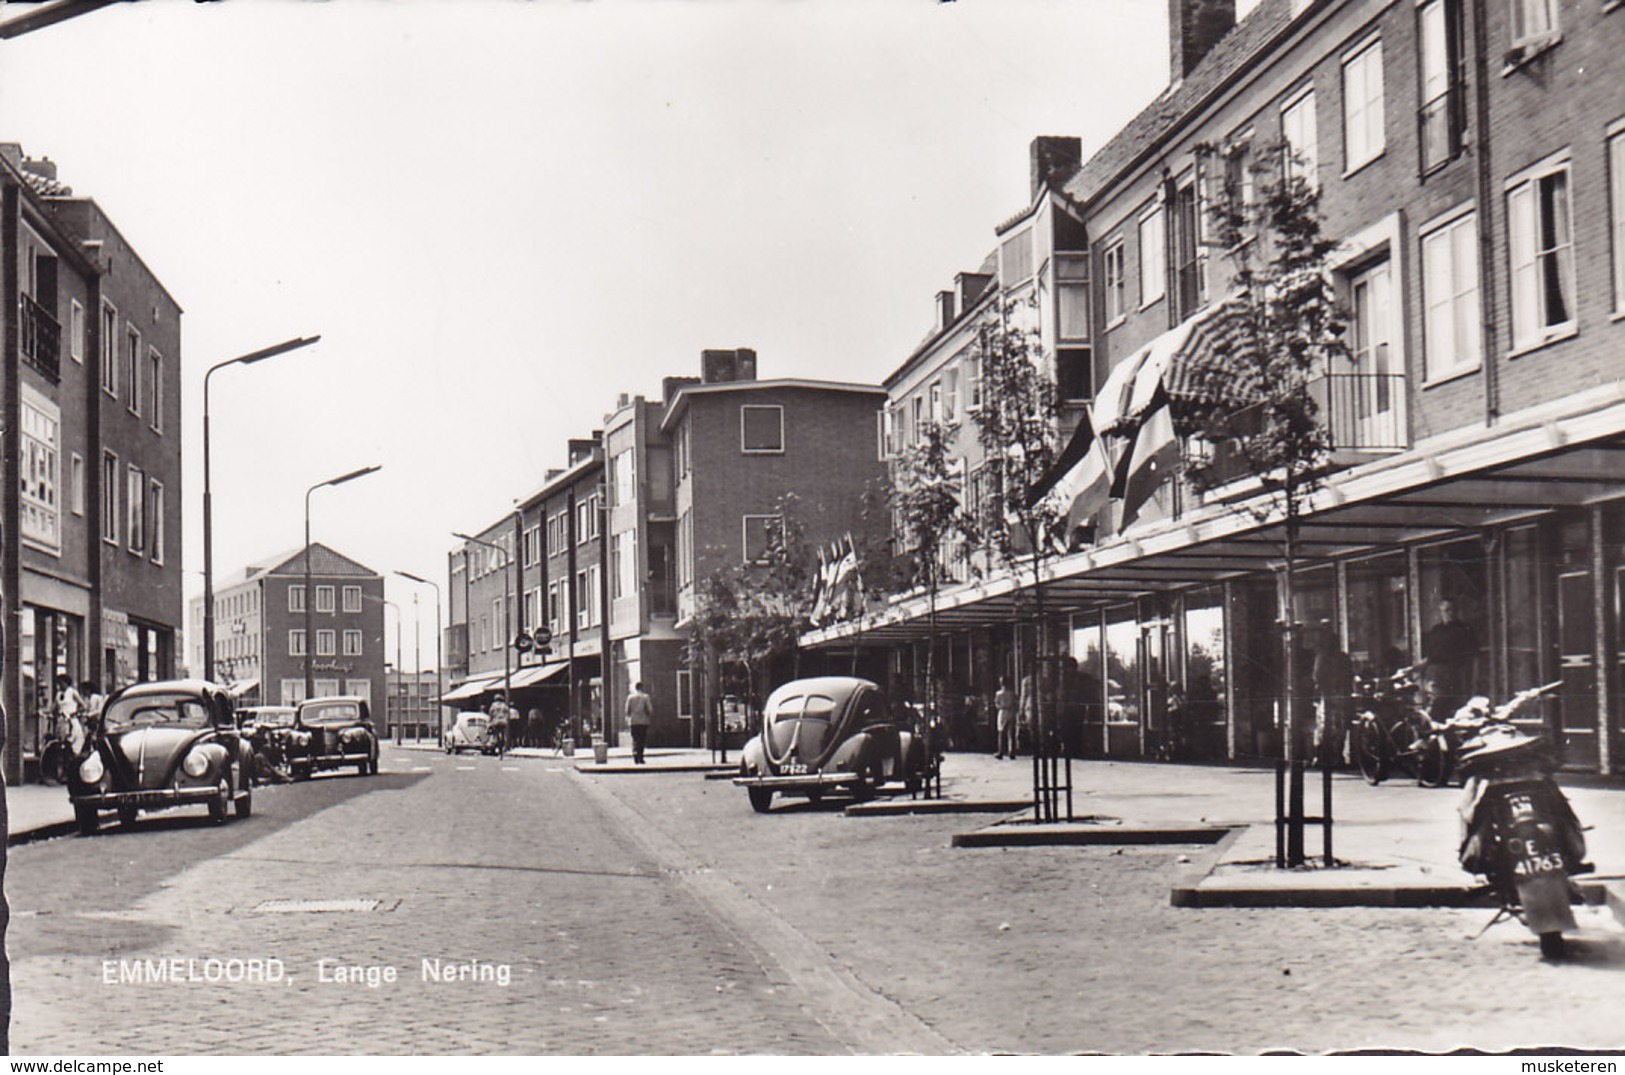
{"x":639,"y":712}
{"x":1450,"y":655}
{"x":1004,"y":704}
{"x":1333,"y":675}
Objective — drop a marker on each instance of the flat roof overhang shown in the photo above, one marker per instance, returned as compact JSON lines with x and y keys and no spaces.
{"x":1565,"y":454}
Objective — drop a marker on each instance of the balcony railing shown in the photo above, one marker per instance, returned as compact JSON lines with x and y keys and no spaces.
{"x":1363,"y":411}
{"x":40,"y":338}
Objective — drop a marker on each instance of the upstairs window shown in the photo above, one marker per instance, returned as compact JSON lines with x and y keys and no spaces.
{"x":324,"y":599}
{"x":39,"y":467}
{"x":352,"y":599}
{"x":1016,"y":258}
{"x":109,"y":349}
{"x":1190,"y":259}
{"x":1153,"y":258}
{"x":135,"y":500}
{"x":1450,"y":320}
{"x":1441,"y":121}
{"x":973,"y":381}
{"x":761,"y":428}
{"x":1072,"y":296}
{"x":1541,"y":246}
{"x":1534,"y":23}
{"x":132,"y":370}
{"x":1616,"y":205}
{"x":950,"y":394}
{"x":1363,"y":136}
{"x":296,"y":599}
{"x":1116,"y":282}
{"x":759,"y":534}
{"x":1299,"y":131}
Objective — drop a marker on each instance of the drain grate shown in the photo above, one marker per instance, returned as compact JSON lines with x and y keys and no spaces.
{"x":315,"y":906}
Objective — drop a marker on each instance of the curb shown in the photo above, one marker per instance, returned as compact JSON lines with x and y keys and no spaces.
{"x":48,"y":831}
{"x":1048,"y":835}
{"x":938,"y":806}
{"x":620,"y":767}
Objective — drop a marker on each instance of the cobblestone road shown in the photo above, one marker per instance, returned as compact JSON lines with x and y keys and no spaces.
{"x":656,"y":913}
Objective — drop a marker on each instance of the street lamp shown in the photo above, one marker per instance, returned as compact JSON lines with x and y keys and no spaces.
{"x":208,"y":497}
{"x":439,"y":671}
{"x":507,"y":614}
{"x":310,"y":597}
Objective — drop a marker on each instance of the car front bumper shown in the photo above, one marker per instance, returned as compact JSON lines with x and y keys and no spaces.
{"x":149,"y":798}
{"x":801,"y":782}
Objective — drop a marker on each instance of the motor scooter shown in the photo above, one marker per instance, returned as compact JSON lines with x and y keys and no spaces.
{"x":1519,"y":831}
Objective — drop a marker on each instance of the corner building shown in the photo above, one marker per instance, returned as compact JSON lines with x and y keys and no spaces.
{"x":1470,"y":157}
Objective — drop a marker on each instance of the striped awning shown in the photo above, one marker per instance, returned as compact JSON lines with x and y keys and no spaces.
{"x":470,"y":688}
{"x":1132,"y":385}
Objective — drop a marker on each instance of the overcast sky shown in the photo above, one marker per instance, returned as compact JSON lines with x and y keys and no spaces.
{"x":500,"y":215}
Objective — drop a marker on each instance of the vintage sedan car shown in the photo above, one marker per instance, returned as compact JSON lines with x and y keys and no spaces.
{"x":169,"y":743}
{"x":829,"y":733}
{"x":329,"y":733}
{"x":468,"y":732}
{"x":268,"y":728}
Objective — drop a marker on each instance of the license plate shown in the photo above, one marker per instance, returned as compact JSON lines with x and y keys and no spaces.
{"x":794,"y":768}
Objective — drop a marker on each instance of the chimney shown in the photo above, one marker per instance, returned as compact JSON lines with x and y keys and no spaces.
{"x":1052,"y":159}
{"x":971,"y":285}
{"x":945,"y":309}
{"x":719,"y":366}
{"x":1194,"y":27}
{"x":670,"y":385}
{"x":44,"y":166}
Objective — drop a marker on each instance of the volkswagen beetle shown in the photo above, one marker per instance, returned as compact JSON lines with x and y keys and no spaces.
{"x":829,"y":732}
{"x":169,"y":743}
{"x":332,"y":732}
{"x":467,"y":733}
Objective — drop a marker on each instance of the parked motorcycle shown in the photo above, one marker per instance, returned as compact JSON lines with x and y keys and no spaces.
{"x":1439,"y":750}
{"x":1520,"y":833}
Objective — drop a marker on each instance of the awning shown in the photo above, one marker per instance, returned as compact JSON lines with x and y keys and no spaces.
{"x":1132,"y":384}
{"x":471,"y":688}
{"x":534,"y":674}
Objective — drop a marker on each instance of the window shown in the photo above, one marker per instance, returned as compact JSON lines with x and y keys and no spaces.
{"x":759,"y":534}
{"x":155,"y":520}
{"x":1016,"y":258}
{"x":1534,"y":23}
{"x":498,"y":623}
{"x":533,"y":607}
{"x":132,"y":369}
{"x":1190,"y":259}
{"x":1072,"y":296}
{"x":352,"y":643}
{"x":155,"y":391}
{"x":109,"y":349}
{"x":936,"y":401}
{"x":110,"y":498}
{"x":76,"y":483}
{"x":1299,"y":133}
{"x":587,"y":519}
{"x":1450,"y":319}
{"x":916,"y":423}
{"x":324,"y":599}
{"x":532,"y":546}
{"x":685,"y":695}
{"x":296,"y":599}
{"x":296,"y":642}
{"x":1116,"y":282}
{"x":553,"y":610}
{"x":38,"y":470}
{"x":973,"y":381}
{"x":1368,"y":412}
{"x":1239,"y":188}
{"x":1541,"y":245}
{"x":582,"y":597}
{"x":352,"y":598}
{"x":1441,"y":120}
{"x":1363,"y":138}
{"x":135,"y":499}
{"x":76,"y":331}
{"x":1074,"y":373}
{"x":1153,"y":258}
{"x":558,"y":533}
{"x":325,"y":642}
{"x":622,"y":485}
{"x":1616,"y":205}
{"x":617,"y":587}
{"x":950,"y":394}
{"x":761,"y":428}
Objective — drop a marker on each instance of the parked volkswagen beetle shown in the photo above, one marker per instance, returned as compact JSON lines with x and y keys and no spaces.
{"x":830,"y":732}
{"x":468,"y":732}
{"x":332,"y":732}
{"x":169,"y":743}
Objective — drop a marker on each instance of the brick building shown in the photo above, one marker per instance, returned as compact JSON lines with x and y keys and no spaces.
{"x":90,"y":566}
{"x":261,"y":646}
{"x":1470,"y":156}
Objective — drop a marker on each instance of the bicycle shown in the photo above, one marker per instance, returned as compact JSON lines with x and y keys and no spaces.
{"x":1389,"y":727}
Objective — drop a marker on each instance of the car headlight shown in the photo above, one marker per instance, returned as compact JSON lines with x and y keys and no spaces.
{"x":91,"y":769}
{"x":350,"y":735}
{"x":196,"y":764}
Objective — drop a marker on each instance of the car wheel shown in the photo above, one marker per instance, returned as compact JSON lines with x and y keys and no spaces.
{"x":55,"y":763}
{"x":760,"y":799}
{"x":88,"y":818}
{"x":301,"y":772}
{"x":244,"y":805}
{"x":127,"y":815}
{"x":815,"y":796}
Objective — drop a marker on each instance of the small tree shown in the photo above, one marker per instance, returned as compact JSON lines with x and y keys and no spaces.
{"x":1018,"y":430}
{"x":1252,"y":404}
{"x":926,"y":498}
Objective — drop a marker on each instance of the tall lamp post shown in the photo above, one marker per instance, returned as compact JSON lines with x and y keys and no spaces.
{"x":439,"y":671}
{"x":507,"y":614}
{"x":310,"y":597}
{"x":208,"y":496}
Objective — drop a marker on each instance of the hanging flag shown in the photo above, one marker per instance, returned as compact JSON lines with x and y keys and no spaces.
{"x":1085,"y":486}
{"x":820,"y":588}
{"x":1152,"y":458}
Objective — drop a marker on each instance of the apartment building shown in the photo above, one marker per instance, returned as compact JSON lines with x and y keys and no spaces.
{"x":1470,"y":158}
{"x":90,"y":566}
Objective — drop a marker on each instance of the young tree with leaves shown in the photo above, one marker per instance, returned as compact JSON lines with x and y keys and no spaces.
{"x":1251,"y":406}
{"x":926,"y":499}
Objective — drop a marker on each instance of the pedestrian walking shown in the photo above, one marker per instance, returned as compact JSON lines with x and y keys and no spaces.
{"x":1333,"y":675}
{"x":1004,"y":704}
{"x":639,"y":712}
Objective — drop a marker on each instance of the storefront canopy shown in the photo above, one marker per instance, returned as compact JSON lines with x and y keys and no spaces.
{"x":1563,"y":455}
{"x":471,"y":688}
{"x":535,"y":674}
